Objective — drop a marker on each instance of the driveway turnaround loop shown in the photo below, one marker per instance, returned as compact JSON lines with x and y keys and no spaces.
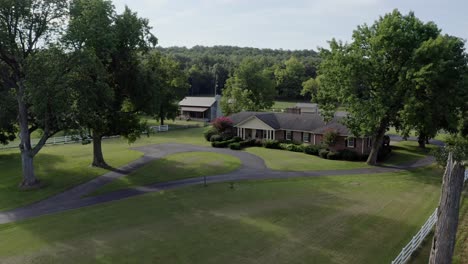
{"x":253,"y":168}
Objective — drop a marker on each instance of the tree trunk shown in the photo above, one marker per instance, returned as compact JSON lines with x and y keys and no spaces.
{"x":377,"y":141}
{"x":422,"y":140}
{"x":443,"y":242}
{"x":162,"y":121}
{"x":98,"y":158}
{"x":27,"y":154}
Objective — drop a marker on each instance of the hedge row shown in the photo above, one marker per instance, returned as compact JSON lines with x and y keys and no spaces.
{"x":236,"y":143}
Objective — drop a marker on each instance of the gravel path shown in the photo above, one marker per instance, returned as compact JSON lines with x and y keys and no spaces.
{"x":252,"y":168}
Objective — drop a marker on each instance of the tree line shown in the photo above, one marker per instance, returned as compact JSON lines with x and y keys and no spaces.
{"x":209,"y":68}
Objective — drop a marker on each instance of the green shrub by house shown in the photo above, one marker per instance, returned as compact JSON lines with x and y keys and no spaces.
{"x":323,"y":153}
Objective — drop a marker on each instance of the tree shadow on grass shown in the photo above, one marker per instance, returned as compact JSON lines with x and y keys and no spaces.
{"x":265,"y":222}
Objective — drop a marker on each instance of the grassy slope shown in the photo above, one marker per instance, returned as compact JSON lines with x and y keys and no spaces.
{"x":407,"y":152}
{"x":62,"y":166}
{"x":294,"y":161}
{"x":461,"y":248}
{"x":402,"y":152}
{"x":349,"y":219}
{"x":175,"y":167}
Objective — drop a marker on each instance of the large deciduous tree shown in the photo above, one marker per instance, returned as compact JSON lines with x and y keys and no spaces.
{"x":167,"y":83}
{"x":438,"y":95}
{"x":377,"y":75}
{"x":251,"y":88}
{"x":110,"y":45}
{"x":26,"y":27}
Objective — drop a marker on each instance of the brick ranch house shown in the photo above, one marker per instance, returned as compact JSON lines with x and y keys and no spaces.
{"x":305,"y":128}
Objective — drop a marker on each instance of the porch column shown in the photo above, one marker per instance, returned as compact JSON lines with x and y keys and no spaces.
{"x":273,"y":134}
{"x":314,"y":139}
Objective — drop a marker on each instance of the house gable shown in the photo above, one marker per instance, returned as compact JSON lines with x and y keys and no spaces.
{"x":254,"y":123}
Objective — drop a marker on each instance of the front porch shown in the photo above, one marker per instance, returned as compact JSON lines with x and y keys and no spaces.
{"x":253,"y":133}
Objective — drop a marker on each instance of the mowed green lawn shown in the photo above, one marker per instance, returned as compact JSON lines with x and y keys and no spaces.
{"x":460,"y":255}
{"x":296,"y":161}
{"x":406,"y":152}
{"x":341,"y":219}
{"x":403,"y":152}
{"x":175,"y":167}
{"x":61,"y":167}
{"x":281,"y":105}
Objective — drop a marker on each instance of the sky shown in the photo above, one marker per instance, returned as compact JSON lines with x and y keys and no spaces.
{"x":282,"y":24}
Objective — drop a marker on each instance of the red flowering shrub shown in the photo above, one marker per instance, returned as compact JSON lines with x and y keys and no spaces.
{"x":221,"y":124}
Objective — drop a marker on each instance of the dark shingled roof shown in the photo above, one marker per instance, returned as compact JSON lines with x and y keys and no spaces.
{"x":296,"y":122}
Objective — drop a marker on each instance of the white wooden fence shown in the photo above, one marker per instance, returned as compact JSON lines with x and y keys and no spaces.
{"x":414,"y":244}
{"x":162,"y":128}
{"x":54,"y":141}
{"x":416,"y":241}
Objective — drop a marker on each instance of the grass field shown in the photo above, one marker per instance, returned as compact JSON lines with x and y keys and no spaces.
{"x":345,"y":219}
{"x":402,"y":152}
{"x":61,"y":167}
{"x":407,"y":152}
{"x":295,"y":161}
{"x":175,"y":167}
{"x":461,"y":247}
{"x":281,"y":105}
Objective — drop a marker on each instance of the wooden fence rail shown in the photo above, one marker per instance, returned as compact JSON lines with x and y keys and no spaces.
{"x":416,"y":241}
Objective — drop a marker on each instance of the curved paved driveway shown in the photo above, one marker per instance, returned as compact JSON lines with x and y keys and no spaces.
{"x":253,"y":168}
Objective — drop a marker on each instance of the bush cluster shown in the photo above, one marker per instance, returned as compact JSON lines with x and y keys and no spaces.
{"x":272,"y":144}
{"x":224,"y":144}
{"x":323,"y":153}
{"x":312,"y":150}
{"x":208,"y":133}
{"x":235,"y":146}
{"x":216,"y":138}
{"x":349,"y":155}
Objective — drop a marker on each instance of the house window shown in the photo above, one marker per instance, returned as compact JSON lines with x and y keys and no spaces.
{"x":351,"y":142}
{"x":306,"y":137}
{"x":369,"y":142}
{"x":288,"y":135}
{"x":265,"y":135}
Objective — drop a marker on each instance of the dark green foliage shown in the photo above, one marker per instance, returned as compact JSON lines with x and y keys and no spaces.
{"x":330,"y":137}
{"x":235,"y":146}
{"x":333,"y":155}
{"x":237,"y":139}
{"x":216,"y":138}
{"x":248,"y":143}
{"x":208,"y":133}
{"x":312,"y":150}
{"x":272,"y":144}
{"x":392,"y":74}
{"x":384,"y":151}
{"x":210,"y":67}
{"x":223,"y":144}
{"x":250,"y":88}
{"x":350,"y":155}
{"x":292,"y":147}
{"x":323,"y":153}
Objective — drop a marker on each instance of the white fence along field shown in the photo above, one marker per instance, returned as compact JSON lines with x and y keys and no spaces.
{"x":414,"y":244}
{"x":54,"y":141}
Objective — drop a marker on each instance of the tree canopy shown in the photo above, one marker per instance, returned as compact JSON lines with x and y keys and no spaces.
{"x":251,"y":88}
{"x":377,"y":75}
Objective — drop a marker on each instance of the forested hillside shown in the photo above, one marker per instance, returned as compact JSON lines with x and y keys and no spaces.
{"x":209,"y":68}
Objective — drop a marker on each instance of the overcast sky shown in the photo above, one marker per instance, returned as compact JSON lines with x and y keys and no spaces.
{"x":286,"y":24}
